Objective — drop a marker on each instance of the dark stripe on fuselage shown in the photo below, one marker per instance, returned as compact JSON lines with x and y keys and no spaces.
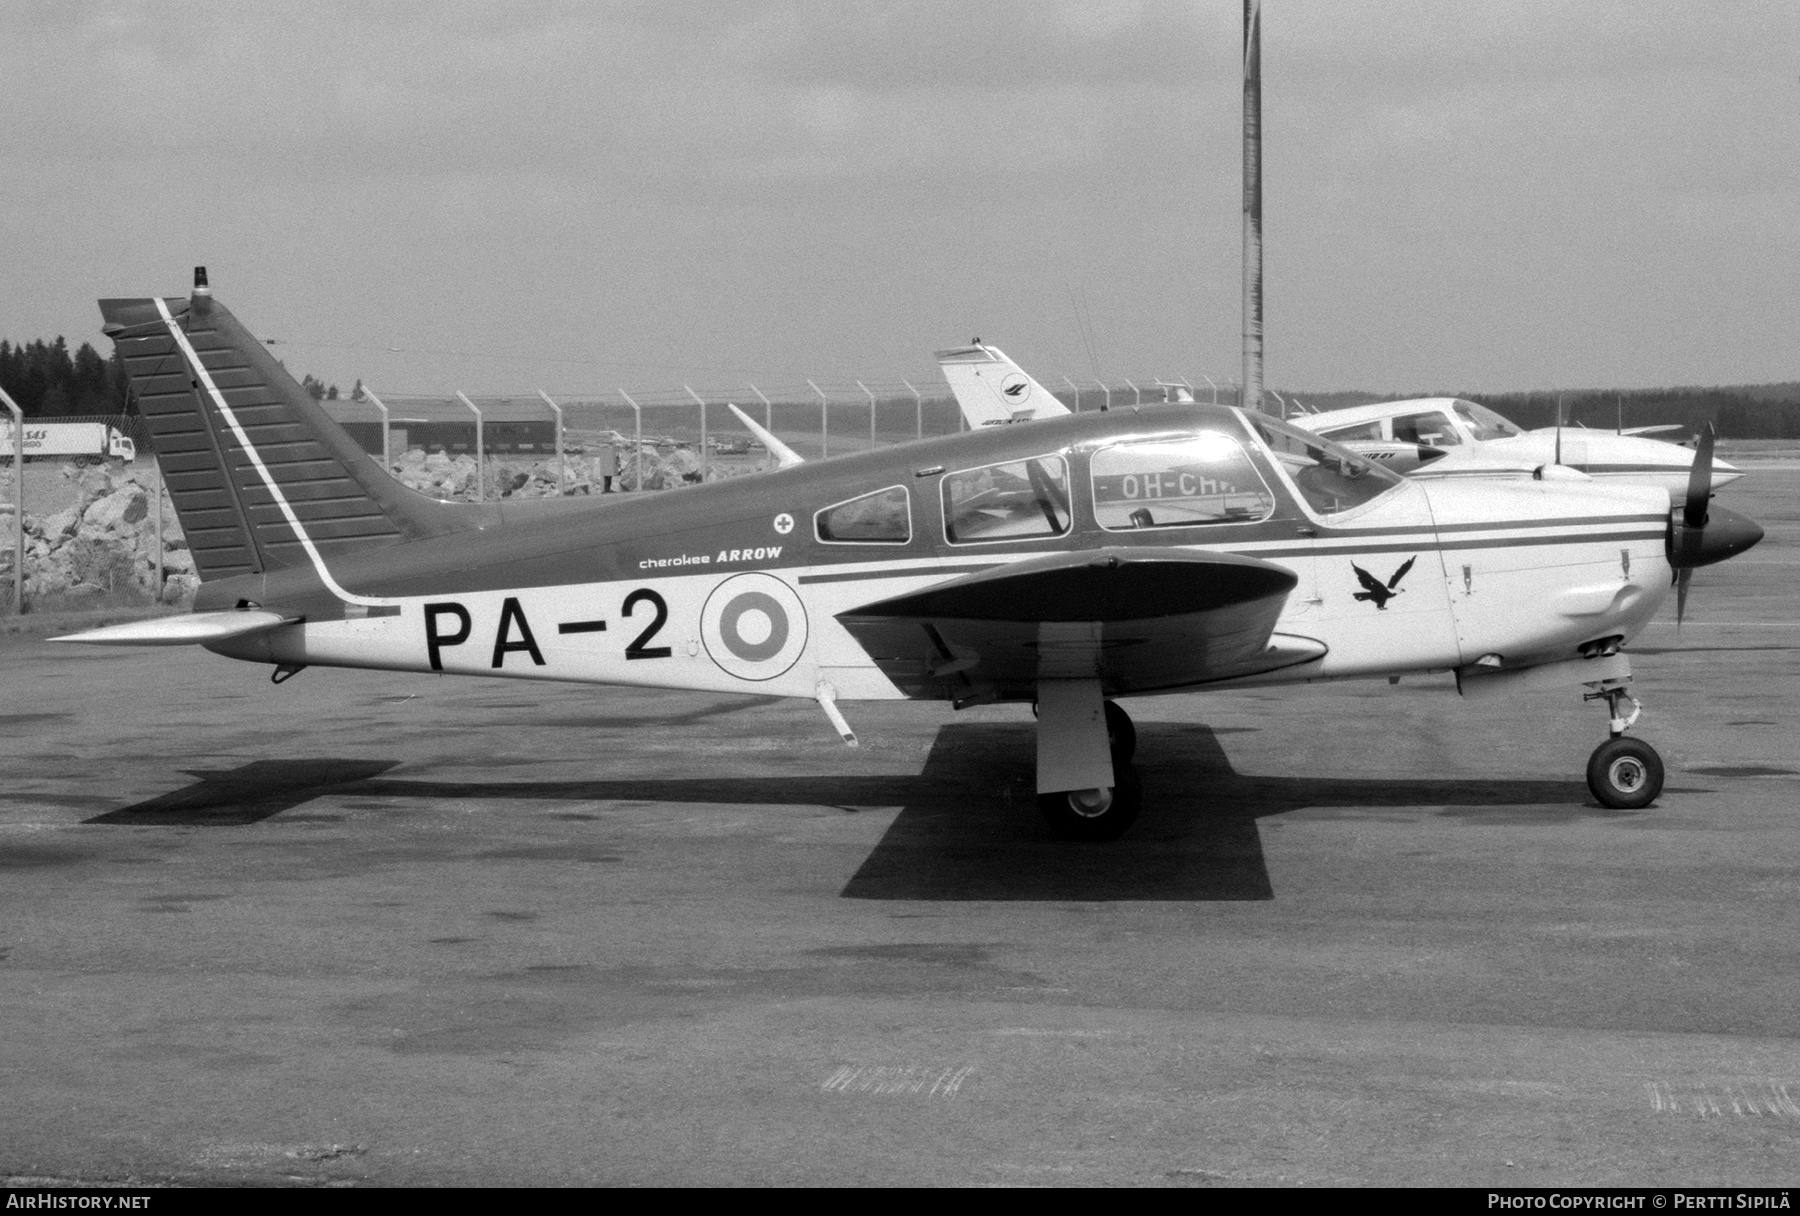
{"x":902,"y":572}
{"x":1496,"y":542}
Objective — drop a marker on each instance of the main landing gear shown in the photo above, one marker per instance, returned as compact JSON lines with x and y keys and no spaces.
{"x":1625,"y":774}
{"x":1102,"y":813}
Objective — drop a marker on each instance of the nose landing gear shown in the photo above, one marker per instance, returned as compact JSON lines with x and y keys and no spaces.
{"x":1625,"y":774}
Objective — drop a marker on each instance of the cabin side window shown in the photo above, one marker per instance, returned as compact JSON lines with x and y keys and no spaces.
{"x":881,"y":518}
{"x":1362,"y":432}
{"x":1329,"y":478}
{"x":1018,"y":500}
{"x":1173,"y":483}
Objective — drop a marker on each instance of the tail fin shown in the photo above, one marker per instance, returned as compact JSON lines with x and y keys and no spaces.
{"x":992,"y":390}
{"x":260,"y":475}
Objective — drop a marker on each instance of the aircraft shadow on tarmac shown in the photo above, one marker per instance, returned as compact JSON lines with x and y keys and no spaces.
{"x":968,"y":828}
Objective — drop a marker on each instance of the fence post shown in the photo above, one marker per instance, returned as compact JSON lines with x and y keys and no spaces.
{"x":159,"y":527}
{"x":1107,"y":404}
{"x":871,"y":396}
{"x":824,"y":421}
{"x":637,"y":437}
{"x":480,"y":453}
{"x":1076,"y":389}
{"x":1138,"y":393}
{"x":18,"y":464}
{"x":387,"y":452}
{"x":918,"y":410}
{"x":702,"y":401}
{"x":768,"y":414}
{"x":562,"y":461}
{"x":1215,"y":387}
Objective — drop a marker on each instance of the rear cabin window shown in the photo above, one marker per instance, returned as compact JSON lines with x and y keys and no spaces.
{"x":1431,"y":429}
{"x":1173,"y":483}
{"x":881,"y":518}
{"x":1329,"y":478}
{"x":1019,"y":500}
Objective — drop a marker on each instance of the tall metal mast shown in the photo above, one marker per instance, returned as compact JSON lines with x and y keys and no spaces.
{"x":1253,"y":268}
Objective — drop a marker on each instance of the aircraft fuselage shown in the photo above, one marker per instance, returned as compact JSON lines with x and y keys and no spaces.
{"x":737,"y":585}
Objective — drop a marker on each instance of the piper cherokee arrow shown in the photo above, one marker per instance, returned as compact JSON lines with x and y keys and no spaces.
{"x":1068,"y":564}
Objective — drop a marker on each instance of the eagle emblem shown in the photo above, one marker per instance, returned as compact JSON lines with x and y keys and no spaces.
{"x":1374,"y":590}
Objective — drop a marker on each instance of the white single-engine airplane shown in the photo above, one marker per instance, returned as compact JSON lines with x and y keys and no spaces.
{"x":1085,"y":558}
{"x":1449,"y":437}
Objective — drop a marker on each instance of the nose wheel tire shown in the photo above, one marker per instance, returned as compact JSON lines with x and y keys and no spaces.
{"x":1121,"y":735}
{"x":1095,"y":814}
{"x":1625,"y":774}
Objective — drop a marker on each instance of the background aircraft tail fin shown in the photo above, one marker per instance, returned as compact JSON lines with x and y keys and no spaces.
{"x":255,"y":467}
{"x":991,"y":389}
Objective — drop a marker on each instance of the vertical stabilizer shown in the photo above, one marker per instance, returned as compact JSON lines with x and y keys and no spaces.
{"x":992,"y":390}
{"x":269,"y":481}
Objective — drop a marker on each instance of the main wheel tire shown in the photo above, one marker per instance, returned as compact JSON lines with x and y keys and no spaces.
{"x":1121,"y":735}
{"x":1625,"y":774}
{"x":1095,"y":814}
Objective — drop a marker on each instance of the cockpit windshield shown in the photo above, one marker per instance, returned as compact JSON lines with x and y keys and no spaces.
{"x":1485,"y":423}
{"x":1330,"y":478}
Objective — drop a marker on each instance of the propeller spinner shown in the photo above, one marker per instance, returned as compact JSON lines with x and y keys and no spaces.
{"x":1700,"y":534}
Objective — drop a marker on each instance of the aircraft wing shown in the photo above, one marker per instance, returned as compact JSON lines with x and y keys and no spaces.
{"x":1139,"y":619}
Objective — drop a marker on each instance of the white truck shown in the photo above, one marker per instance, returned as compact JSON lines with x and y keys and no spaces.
{"x":80,"y":442}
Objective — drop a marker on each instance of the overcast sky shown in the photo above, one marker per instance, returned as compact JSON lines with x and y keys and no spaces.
{"x":1500,"y":195}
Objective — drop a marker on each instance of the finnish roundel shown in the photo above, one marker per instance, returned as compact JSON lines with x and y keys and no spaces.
{"x":754,"y":626}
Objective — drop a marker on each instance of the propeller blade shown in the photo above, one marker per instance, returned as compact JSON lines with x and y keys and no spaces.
{"x":1699,"y":489}
{"x":1682,"y":578}
{"x":1559,"y":414}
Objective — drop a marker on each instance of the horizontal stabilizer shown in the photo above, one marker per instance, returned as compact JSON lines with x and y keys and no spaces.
{"x":193,"y":629}
{"x":1136,"y":619}
{"x":785,"y":457}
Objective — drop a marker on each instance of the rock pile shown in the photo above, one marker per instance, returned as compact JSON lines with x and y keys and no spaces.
{"x":665,"y":465}
{"x":101,"y":551}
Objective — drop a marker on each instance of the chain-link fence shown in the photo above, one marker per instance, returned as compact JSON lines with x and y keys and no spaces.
{"x":101,"y":533}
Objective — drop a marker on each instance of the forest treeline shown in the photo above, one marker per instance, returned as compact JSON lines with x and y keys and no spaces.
{"x":50,"y":381}
{"x":1760,"y":412}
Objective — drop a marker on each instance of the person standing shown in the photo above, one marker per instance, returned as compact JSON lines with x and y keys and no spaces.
{"x":609,"y":466}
